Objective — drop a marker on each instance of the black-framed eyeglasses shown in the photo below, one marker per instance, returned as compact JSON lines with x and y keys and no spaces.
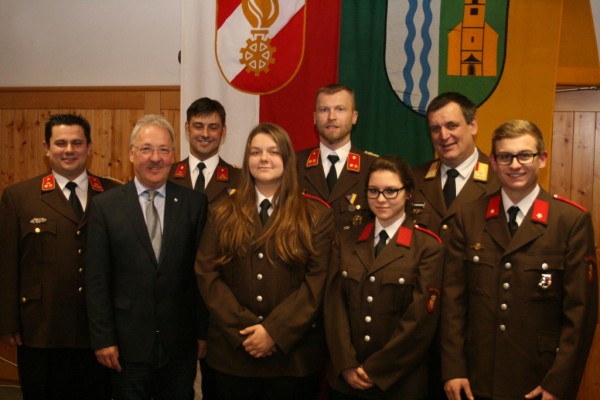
{"x":147,"y":150}
{"x":388,"y":193}
{"x":522,"y":158}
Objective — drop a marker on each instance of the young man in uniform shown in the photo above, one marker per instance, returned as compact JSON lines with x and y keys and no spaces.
{"x":521,"y":294}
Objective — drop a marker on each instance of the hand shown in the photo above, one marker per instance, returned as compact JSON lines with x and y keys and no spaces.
{"x":11,"y":339}
{"x":201,"y":349}
{"x":357,"y":378}
{"x":109,"y":357}
{"x":453,"y":387}
{"x":539,"y":391}
{"x":258,"y":342}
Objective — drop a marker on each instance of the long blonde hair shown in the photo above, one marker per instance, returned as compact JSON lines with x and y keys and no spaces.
{"x":294,"y":216}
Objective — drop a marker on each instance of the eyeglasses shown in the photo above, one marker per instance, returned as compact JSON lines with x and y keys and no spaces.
{"x":522,"y":158}
{"x":388,"y":193}
{"x":147,"y":150}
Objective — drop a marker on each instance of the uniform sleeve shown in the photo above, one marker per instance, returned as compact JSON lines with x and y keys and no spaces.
{"x":454,"y":305}
{"x":223,"y":306}
{"x":9,"y":265}
{"x":337,"y":325}
{"x":103,"y":331}
{"x":580,"y":309}
{"x":288,"y":322}
{"x":415,"y":331}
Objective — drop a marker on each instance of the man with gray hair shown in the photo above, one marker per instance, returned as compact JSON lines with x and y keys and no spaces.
{"x":146,"y":314}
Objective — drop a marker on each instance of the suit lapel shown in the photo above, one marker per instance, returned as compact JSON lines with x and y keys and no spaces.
{"x":432,"y":191}
{"x":171,"y":217}
{"x":315,"y":176}
{"x":344,"y":184}
{"x":136,"y":216}
{"x":56,"y":200}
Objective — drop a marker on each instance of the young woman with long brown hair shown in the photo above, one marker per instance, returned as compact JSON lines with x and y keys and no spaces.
{"x":262,"y":266}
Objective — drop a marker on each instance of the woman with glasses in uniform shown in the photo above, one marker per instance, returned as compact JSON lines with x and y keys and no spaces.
{"x":382,"y":298}
{"x":262,"y":267}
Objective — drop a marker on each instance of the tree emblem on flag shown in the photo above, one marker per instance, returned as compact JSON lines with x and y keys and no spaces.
{"x":435,"y":46}
{"x":250,"y":33}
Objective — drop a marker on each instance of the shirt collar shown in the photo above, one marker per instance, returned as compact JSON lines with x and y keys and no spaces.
{"x":211,"y":164}
{"x":141,"y":188}
{"x":465,"y":168}
{"x":391,"y":229}
{"x":342,"y":152}
{"x":525,"y":204}
{"x":81,"y":181}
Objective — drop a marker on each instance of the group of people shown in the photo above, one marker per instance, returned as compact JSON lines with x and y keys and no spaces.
{"x":460,"y":277}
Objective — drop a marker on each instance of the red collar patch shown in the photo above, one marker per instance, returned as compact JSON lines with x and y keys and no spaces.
{"x":540,"y":211}
{"x":222,"y":174}
{"x":313,"y":158}
{"x":48,"y":183}
{"x":366,"y":233}
{"x":181,"y":170}
{"x":95,"y":184}
{"x":493,"y":210}
{"x":353,"y":162}
{"x":404,"y":236}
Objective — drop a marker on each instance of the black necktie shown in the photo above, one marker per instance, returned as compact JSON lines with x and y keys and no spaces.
{"x":264,"y":211}
{"x":74,"y":200}
{"x":332,"y":174}
{"x":199,"y":186}
{"x":512,"y":220}
{"x":450,"y":187}
{"x":383,"y":237}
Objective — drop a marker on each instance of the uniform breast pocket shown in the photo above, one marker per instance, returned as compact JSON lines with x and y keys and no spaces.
{"x":480,"y":272}
{"x":351,"y":284}
{"x":396,"y":291}
{"x":38,"y":242}
{"x":544,"y":276}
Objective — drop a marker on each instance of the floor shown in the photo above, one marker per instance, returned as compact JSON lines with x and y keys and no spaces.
{"x":10,"y":392}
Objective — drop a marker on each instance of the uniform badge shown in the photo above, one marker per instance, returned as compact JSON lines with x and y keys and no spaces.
{"x":591,"y":270}
{"x":313,"y":158}
{"x":434,"y":295}
{"x":540,"y":211}
{"x":222,"y":174}
{"x":353,"y":162}
{"x":95,"y":184}
{"x":493,"y":208}
{"x":357,"y":220}
{"x":48,"y":183}
{"x":231,"y":191}
{"x":351,"y":199}
{"x":180,"y":171}
{"x":545,"y":281}
{"x":418,"y":208}
{"x":477,"y":246}
{"x":481,"y":172}
{"x":433,"y":169}
{"x":38,"y":220}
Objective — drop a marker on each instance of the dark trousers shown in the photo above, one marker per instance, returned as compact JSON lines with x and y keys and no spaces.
{"x":158,"y":378}
{"x":209,"y":384}
{"x":62,"y":373}
{"x":230,"y":387}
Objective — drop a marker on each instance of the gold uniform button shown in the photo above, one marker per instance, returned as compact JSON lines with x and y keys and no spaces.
{"x":80,"y":270}
{"x":369,"y":299}
{"x":401,"y":281}
{"x":37,"y":230}
{"x":259,"y":298}
{"x":344,"y":273}
{"x":506,"y":286}
{"x":367,"y":338}
{"x":79,"y":251}
{"x":260,"y":256}
{"x":80,"y":289}
{"x":259,"y":277}
{"x":475,"y":258}
{"x":371,"y":279}
{"x":23,"y":299}
{"x":502,"y":328}
{"x":508,"y":265}
{"x":78,"y":233}
{"x":545,"y":266}
{"x":445,"y":227}
{"x":367,"y":319}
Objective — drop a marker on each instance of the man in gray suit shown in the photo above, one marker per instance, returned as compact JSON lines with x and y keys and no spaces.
{"x":146,"y":315}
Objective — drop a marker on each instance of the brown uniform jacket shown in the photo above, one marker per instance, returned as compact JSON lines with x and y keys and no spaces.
{"x":429,"y":209}
{"x":42,"y":245}
{"x":519,"y":312}
{"x":347,"y":211}
{"x":225,"y":177}
{"x":286,"y":299}
{"x":382,"y":313}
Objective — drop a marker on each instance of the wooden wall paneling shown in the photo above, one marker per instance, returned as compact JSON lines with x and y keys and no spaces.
{"x":173,"y":117}
{"x":596,"y":183}
{"x":584,"y":127}
{"x":562,"y":154}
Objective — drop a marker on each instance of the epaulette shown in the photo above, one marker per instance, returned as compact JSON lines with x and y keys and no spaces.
{"x":433,"y":169}
{"x":366,"y":232}
{"x":316,"y":198}
{"x":369,"y":153}
{"x":181,"y":170}
{"x":95,"y":184}
{"x":48,"y":183}
{"x":222,"y":174}
{"x":430,"y":233}
{"x":480,"y":173}
{"x":571,"y":202}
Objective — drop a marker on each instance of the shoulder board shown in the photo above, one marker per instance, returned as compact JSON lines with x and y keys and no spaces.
{"x":181,"y":170}
{"x":404,"y":236}
{"x":222,"y":174}
{"x":95,"y":184}
{"x":430,"y":233}
{"x":316,"y":198}
{"x":366,"y":232}
{"x":539,"y":213}
{"x":369,"y":153}
{"x":313,"y":158}
{"x":433,"y":169}
{"x":493,"y":209}
{"x":568,"y":201}
{"x":48,"y":183}
{"x":353,"y":162}
{"x":480,"y":173}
